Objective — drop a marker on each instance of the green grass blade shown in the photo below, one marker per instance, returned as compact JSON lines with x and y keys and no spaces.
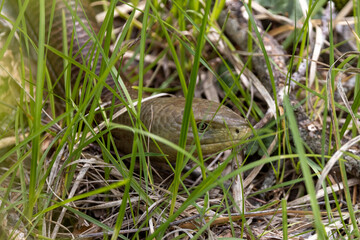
{"x":37,"y":109}
{"x":309,"y":183}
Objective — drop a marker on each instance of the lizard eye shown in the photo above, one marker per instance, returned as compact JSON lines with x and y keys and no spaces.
{"x":201,"y":126}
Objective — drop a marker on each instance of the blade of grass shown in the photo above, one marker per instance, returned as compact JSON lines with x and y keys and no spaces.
{"x":37,"y":109}
{"x":304,"y":167}
{"x":136,"y":141}
{"x":284,"y":219}
{"x":356,"y":103}
{"x":84,"y":195}
{"x":188,"y":116}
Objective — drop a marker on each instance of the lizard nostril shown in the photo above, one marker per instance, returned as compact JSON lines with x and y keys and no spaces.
{"x":237,"y":131}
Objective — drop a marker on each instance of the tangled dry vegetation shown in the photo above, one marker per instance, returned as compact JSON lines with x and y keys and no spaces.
{"x":297,"y":176}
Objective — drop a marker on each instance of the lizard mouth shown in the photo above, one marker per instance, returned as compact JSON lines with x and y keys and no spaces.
{"x":210,"y":147}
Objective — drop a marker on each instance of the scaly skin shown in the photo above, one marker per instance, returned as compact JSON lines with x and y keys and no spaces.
{"x":162,"y":116}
